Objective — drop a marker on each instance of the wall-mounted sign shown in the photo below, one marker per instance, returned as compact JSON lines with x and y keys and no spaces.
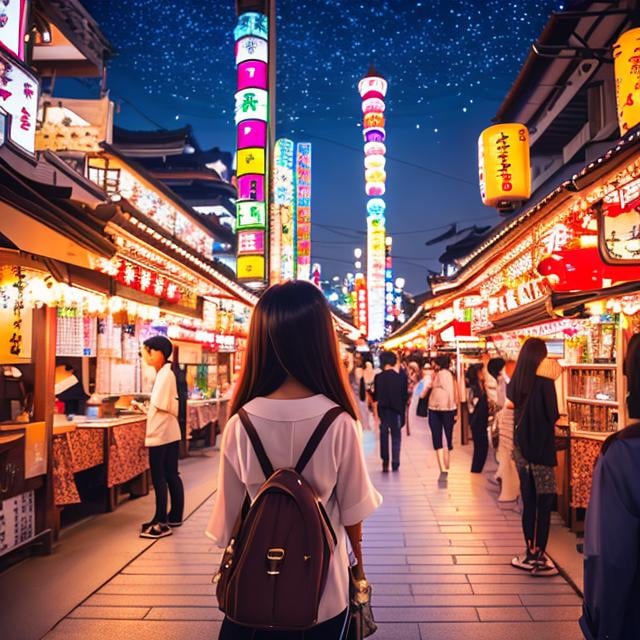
{"x":250,"y":267}
{"x":13,"y":21}
{"x":504,"y":165}
{"x":251,"y":242}
{"x":619,"y":225}
{"x":251,"y":214}
{"x":283,"y":206}
{"x":251,"y":160}
{"x":19,"y":99}
{"x":251,"y":104}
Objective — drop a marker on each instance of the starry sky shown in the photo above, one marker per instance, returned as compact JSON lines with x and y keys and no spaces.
{"x":449,"y":64}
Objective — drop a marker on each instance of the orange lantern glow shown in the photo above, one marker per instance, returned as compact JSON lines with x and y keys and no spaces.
{"x":373,"y":120}
{"x":504,"y":165}
{"x":626,"y":65}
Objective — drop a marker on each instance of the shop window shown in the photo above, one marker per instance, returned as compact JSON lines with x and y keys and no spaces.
{"x":106,"y":178}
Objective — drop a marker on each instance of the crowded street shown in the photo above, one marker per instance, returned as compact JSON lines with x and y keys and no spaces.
{"x":320,"y":320}
{"x":439,"y":560}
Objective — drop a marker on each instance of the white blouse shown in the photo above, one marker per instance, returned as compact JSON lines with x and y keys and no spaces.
{"x":337,"y":471}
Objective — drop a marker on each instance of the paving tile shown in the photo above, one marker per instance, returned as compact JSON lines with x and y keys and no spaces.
{"x":185,"y":613}
{"x":76,"y":629}
{"x":500,"y":631}
{"x":551,"y":600}
{"x":503,"y":614}
{"x":160,"y":589}
{"x":398,"y":631}
{"x":120,"y":613}
{"x":555,"y":613}
{"x":467,"y":601}
{"x":425,"y":614}
{"x":523,"y":588}
{"x":440,"y":589}
{"x":151,"y":600}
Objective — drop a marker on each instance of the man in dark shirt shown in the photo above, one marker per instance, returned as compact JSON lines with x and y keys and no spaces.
{"x":390,"y":394}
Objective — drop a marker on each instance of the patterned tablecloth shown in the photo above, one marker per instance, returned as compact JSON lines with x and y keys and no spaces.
{"x":84,"y":448}
{"x":128,"y":457}
{"x":74,"y":452}
{"x":199,"y":415}
{"x":584,"y":453}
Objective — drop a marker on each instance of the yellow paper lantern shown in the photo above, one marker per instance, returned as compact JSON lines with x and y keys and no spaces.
{"x":626,"y":65}
{"x":504,"y":165}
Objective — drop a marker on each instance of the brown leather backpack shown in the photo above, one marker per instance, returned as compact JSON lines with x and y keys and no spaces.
{"x":275,"y":567}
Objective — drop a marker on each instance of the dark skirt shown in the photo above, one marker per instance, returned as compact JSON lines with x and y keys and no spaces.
{"x":333,"y":629}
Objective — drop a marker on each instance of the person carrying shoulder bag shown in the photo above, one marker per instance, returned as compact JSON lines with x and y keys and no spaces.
{"x":293,"y":434}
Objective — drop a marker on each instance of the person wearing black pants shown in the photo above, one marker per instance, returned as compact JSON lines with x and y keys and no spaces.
{"x":390,"y":395}
{"x":478,"y":416}
{"x":532,"y":395}
{"x":163,"y":461}
{"x":163,"y":440}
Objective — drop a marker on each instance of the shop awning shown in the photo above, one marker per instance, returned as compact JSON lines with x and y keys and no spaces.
{"x":525,"y":316}
{"x":567,"y":301}
{"x":40,"y":219}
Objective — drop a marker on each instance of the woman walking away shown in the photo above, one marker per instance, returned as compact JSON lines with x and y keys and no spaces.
{"x":612,"y":526}
{"x":533,"y":397}
{"x":292,"y":413}
{"x":442,"y":412}
{"x":478,"y":406}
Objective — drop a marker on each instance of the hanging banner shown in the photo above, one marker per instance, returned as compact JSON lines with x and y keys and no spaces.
{"x":626,"y":66}
{"x":283,"y":206}
{"x":13,"y":20}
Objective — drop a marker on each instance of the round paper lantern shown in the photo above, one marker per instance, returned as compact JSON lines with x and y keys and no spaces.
{"x":372,"y":84}
{"x":375,"y":175}
{"x":375,"y":149}
{"x":374,"y":162}
{"x":376,"y":207}
{"x":626,"y":66}
{"x":375,"y":134}
{"x":504,"y":165}
{"x":374,"y":188}
{"x":373,"y":105}
{"x":373,"y":120}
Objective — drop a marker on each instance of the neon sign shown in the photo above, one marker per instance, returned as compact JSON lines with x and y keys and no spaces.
{"x":303,"y":210}
{"x":251,"y":36}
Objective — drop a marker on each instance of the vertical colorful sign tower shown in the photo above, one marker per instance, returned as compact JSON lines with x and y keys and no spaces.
{"x":373,"y":89}
{"x":303,"y":210}
{"x":252,"y":162}
{"x":389,"y":296}
{"x":283,"y":208}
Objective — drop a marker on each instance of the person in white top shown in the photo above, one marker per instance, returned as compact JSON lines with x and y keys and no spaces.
{"x":163,"y":440}
{"x":291,"y":377}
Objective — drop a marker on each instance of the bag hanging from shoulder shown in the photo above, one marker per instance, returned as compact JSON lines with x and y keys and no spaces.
{"x":422,"y":409}
{"x":274,"y":569}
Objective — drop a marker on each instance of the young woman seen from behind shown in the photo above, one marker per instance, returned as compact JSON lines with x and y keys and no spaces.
{"x":292,"y":376}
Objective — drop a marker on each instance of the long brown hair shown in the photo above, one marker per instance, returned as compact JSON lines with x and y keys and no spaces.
{"x":533,"y":352}
{"x":292,"y":334}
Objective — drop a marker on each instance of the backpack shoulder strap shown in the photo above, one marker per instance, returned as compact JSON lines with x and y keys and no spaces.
{"x":316,"y":437}
{"x":263,"y":458}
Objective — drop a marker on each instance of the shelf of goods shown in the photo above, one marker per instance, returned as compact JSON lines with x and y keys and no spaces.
{"x":595,"y":411}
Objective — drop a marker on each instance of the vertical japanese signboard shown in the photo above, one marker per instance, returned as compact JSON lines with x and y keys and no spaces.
{"x":303,"y":210}
{"x":13,"y":21}
{"x":251,"y":117}
{"x":283,"y":206}
{"x":19,"y":100}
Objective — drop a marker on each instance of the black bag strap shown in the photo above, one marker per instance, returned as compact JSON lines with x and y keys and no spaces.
{"x":263,"y":458}
{"x":318,"y":434}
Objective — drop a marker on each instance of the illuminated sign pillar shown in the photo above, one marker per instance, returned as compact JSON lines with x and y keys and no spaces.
{"x":283,"y":210}
{"x":373,"y":89}
{"x":389,"y":296}
{"x":303,"y":210}
{"x":254,"y":103}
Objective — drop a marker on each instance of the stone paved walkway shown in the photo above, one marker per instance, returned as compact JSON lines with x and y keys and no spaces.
{"x":438,"y":559}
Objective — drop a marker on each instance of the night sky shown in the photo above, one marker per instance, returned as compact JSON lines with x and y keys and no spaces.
{"x":449,"y":64}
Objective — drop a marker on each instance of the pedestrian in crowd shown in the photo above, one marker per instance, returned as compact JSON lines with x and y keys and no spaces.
{"x":414,"y":376}
{"x":419,"y":405}
{"x":390,"y":397}
{"x":365,"y":393}
{"x":496,"y":388}
{"x":612,"y":526}
{"x":443,"y":406}
{"x":291,"y":378}
{"x":478,"y":406}
{"x":532,"y":394}
{"x":163,"y":439}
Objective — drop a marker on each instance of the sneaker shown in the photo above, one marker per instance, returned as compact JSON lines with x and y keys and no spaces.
{"x":156,"y":531}
{"x":443,"y":478}
{"x":395,"y":467}
{"x":544,"y":566}
{"x":174,"y":525}
{"x":146,"y":525}
{"x":385,"y":467}
{"x":525,"y":562}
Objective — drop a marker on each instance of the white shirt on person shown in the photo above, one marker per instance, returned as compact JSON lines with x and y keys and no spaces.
{"x":443,"y":392}
{"x":337,"y":472}
{"x":162,"y":415}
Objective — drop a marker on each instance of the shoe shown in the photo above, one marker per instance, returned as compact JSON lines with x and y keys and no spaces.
{"x":443,"y":479}
{"x":385,"y":468}
{"x":395,"y":467}
{"x":525,"y":562}
{"x":544,"y":566}
{"x":156,"y":531}
{"x":175,"y":525}
{"x":146,"y":525}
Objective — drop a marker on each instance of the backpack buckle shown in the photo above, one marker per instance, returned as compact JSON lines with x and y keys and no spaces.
{"x":275,"y":556}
